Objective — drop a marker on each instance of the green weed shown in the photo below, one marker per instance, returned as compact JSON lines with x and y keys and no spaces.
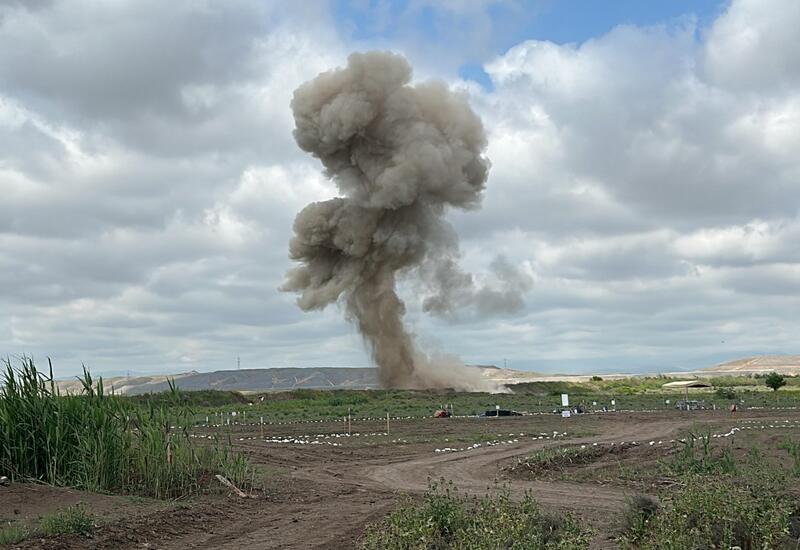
{"x":711,"y":512}
{"x":448,"y":520}
{"x":639,"y":511}
{"x":72,"y":520}
{"x":793,"y":448}
{"x":697,"y":457}
{"x":12,"y":534}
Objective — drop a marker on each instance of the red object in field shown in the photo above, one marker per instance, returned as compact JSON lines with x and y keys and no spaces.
{"x":441,"y":413}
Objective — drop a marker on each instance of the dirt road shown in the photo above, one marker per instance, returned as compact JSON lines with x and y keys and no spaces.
{"x":323,"y":496}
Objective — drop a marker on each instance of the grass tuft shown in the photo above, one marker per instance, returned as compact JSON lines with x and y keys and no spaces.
{"x":12,"y":534}
{"x":72,"y":520}
{"x":448,"y":520}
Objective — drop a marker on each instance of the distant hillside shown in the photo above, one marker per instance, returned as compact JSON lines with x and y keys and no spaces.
{"x":271,"y":379}
{"x":244,"y":380}
{"x":784,"y":364}
{"x":122,"y":384}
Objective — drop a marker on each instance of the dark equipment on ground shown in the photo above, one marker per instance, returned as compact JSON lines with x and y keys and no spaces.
{"x":501,"y":412}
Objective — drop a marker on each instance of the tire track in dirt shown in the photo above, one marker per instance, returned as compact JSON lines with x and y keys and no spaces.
{"x":477,"y":469}
{"x":476,"y":472}
{"x":324,"y":498}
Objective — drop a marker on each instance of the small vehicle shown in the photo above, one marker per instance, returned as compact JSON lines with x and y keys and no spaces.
{"x":442,"y":413}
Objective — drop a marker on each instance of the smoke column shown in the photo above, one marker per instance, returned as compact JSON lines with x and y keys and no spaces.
{"x":400,"y":155}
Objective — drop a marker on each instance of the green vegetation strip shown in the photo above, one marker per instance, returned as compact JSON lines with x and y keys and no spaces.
{"x":72,"y":520}
{"x":631,"y":394}
{"x":446,"y":519}
{"x":720,"y":501}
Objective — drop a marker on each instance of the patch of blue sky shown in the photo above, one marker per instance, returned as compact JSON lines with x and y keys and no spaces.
{"x":453,"y":28}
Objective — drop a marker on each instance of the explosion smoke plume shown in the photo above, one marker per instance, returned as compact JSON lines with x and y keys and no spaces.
{"x":400,"y":155}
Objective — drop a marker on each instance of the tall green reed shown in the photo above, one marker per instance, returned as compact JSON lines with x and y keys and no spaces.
{"x":99,"y":441}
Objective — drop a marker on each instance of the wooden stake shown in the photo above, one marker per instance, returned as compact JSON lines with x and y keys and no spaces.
{"x":232,"y":487}
{"x":387,"y":422}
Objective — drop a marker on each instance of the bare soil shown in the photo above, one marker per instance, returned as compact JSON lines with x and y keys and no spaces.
{"x":323,"y":496}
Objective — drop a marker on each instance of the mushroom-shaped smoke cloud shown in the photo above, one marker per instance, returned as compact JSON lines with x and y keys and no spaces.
{"x":399,"y":154}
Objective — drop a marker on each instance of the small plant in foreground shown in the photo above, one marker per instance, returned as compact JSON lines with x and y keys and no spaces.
{"x":72,"y":520}
{"x":12,"y":534}
{"x":639,"y":511}
{"x":448,"y":520}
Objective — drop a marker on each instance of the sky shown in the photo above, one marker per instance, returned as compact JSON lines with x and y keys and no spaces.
{"x":645,"y":176}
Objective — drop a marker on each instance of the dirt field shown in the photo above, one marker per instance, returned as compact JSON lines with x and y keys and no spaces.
{"x":322,"y":488}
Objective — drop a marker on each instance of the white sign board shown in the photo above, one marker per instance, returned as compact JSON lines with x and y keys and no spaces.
{"x":565,"y":414}
{"x":564,"y":400}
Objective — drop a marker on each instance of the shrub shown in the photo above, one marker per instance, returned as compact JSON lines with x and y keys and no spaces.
{"x":720,"y":513}
{"x":639,"y":510}
{"x":725,"y":393}
{"x":448,"y":520}
{"x":73,"y":519}
{"x":774,"y":381}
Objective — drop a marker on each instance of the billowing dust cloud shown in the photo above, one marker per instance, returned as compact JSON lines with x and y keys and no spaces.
{"x":400,"y":155}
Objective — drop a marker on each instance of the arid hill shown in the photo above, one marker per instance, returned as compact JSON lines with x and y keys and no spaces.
{"x":784,"y":364}
{"x":272,"y":379}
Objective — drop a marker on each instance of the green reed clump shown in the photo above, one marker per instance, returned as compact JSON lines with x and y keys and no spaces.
{"x":696,"y":456}
{"x":97,"y":441}
{"x":448,"y":520}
